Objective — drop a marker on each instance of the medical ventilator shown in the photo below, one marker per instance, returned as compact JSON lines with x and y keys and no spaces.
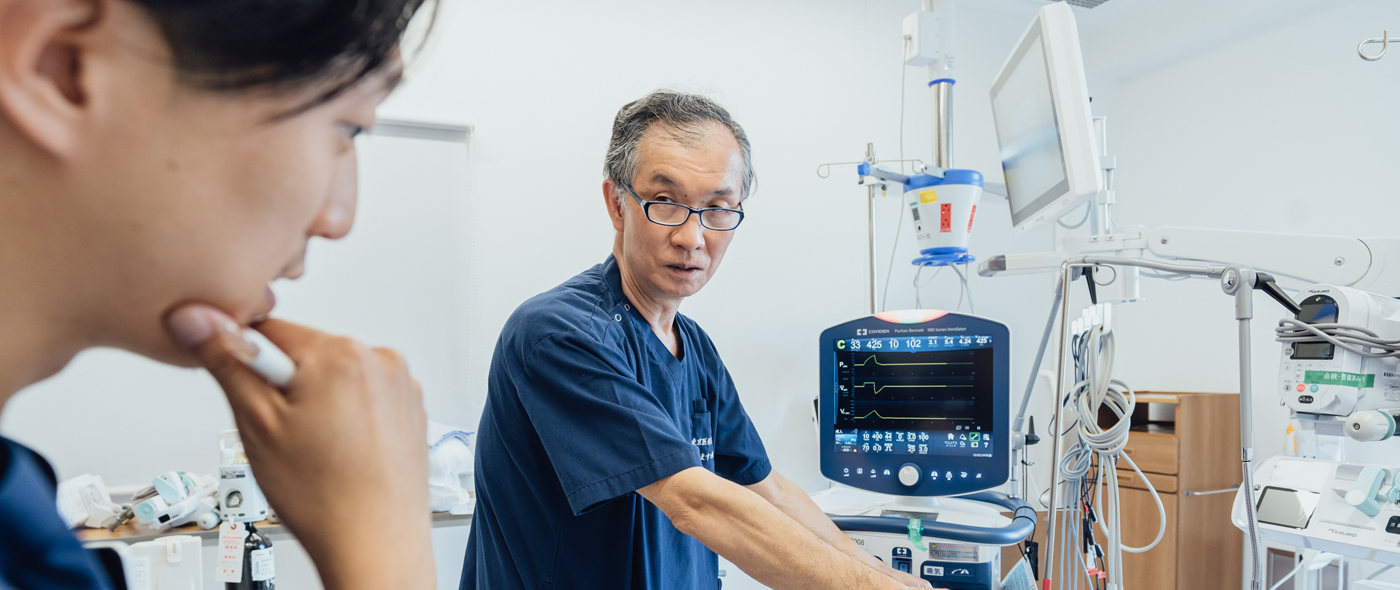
{"x":913,"y":407}
{"x":1338,"y":375}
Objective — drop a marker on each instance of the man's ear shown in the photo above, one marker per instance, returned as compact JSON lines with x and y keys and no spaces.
{"x":42,"y":91}
{"x":614,"y":205}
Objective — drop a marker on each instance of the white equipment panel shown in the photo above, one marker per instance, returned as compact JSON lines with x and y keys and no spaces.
{"x":1344,"y":508}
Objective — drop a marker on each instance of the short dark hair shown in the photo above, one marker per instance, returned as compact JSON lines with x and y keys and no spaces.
{"x":245,"y":44}
{"x":683,"y":114}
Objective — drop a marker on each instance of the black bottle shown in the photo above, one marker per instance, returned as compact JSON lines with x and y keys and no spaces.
{"x":257,"y":563}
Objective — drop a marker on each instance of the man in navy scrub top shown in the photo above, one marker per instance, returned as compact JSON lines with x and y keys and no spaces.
{"x":614,"y":452}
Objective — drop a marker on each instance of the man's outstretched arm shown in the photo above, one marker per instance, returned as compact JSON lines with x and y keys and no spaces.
{"x":756,"y":536}
{"x":792,"y":501}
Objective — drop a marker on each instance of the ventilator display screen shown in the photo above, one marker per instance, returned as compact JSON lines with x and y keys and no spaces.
{"x":916,"y":391}
{"x":1288,"y":508}
{"x":915,"y":395}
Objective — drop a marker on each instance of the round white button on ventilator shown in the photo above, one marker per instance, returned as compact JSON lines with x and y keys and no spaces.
{"x":909,"y":475}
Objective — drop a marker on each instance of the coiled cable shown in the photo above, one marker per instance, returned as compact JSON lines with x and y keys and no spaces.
{"x":1347,"y":337}
{"x":1094,"y":353}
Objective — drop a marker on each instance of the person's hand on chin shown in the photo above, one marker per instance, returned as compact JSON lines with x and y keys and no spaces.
{"x":342,"y":447}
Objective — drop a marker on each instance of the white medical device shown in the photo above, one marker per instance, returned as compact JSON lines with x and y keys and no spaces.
{"x":1040,"y":102}
{"x":1341,"y":357}
{"x":943,"y":210}
{"x":240,"y":499}
{"x":1338,"y":375}
{"x":1344,"y":508}
{"x":913,"y":405}
{"x":942,"y":201}
{"x":1334,"y":374}
{"x":180,"y":498}
{"x":84,"y":501}
{"x":167,"y":563}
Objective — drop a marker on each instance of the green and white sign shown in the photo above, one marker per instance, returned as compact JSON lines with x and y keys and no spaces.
{"x":1339,"y":378}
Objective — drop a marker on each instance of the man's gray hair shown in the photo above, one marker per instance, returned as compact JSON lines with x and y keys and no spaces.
{"x":684,"y":116}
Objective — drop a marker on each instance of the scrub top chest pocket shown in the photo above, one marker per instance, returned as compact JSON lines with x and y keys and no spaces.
{"x":702,"y":432}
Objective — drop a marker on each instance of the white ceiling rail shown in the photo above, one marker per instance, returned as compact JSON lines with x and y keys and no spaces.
{"x":453,"y":132}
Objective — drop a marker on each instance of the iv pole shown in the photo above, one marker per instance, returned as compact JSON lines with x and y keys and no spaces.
{"x":870,"y":214}
{"x":1235,"y":280}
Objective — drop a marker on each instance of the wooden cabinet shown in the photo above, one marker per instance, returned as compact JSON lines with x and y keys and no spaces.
{"x":1128,"y":478}
{"x":1152,"y":451}
{"x":1156,"y":569}
{"x":1187,"y":457}
{"x":1188,"y":446}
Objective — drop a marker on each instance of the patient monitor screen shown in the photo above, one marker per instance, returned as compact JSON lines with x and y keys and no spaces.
{"x":914,"y":395}
{"x":1028,"y":132}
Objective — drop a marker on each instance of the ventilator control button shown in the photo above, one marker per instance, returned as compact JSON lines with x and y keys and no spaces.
{"x":909,"y":475}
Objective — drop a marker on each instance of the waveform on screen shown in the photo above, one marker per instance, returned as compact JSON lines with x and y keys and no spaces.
{"x":878,"y":363}
{"x":878,"y":416}
{"x":884,"y":387}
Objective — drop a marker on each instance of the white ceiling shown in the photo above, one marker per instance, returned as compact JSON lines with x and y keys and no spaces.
{"x":1124,"y":39}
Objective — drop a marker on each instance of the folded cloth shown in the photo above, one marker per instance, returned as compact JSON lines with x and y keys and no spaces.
{"x":847,"y":501}
{"x":440,"y":433}
{"x":451,"y":475}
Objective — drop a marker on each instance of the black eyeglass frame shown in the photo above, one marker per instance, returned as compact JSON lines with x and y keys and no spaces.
{"x":646,"y":209}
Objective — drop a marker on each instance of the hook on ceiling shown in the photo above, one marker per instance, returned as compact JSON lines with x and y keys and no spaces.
{"x":1384,"y":41}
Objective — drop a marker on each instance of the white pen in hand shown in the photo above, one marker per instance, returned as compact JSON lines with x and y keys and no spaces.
{"x":273,"y":364}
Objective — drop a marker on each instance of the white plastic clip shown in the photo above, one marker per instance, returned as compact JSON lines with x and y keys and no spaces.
{"x":174,"y":549}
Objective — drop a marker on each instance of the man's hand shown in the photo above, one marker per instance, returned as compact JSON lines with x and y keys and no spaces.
{"x":342,"y":446}
{"x":909,"y":580}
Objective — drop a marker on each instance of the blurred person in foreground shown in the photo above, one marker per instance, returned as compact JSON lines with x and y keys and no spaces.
{"x":161,"y":161}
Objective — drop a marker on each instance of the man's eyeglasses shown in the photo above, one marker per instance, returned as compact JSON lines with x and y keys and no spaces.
{"x":673,"y":214}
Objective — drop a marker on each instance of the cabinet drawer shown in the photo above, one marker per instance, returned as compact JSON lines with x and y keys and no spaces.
{"x":1153,"y":452}
{"x":1164,"y":483}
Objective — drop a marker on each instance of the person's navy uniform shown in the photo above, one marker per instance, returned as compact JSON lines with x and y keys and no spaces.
{"x":585,"y":406}
{"x":36,"y":550}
